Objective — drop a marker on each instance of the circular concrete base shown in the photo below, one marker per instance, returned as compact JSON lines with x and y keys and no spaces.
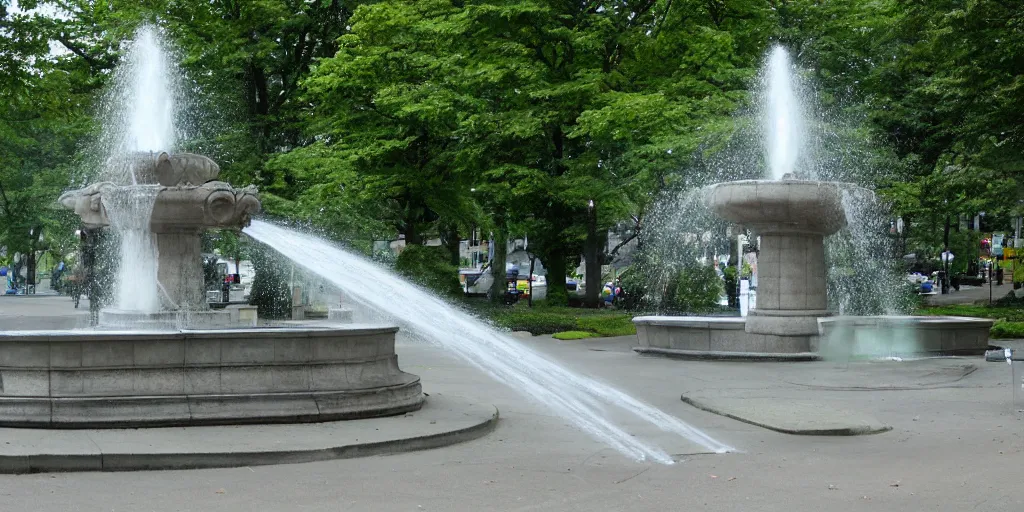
{"x":443,"y":421}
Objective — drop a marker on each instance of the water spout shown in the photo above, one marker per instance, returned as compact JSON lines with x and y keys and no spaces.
{"x":573,"y":396}
{"x":783,"y":116}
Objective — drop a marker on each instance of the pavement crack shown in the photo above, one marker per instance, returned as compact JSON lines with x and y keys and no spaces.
{"x":642,"y":471}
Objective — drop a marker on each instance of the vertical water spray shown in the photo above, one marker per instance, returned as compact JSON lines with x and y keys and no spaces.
{"x":152,"y":102}
{"x":129,"y":209}
{"x":783,"y":116}
{"x":139,"y":121}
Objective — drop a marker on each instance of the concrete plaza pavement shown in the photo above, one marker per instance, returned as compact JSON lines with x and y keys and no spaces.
{"x":956,"y":443}
{"x":971,"y":294}
{"x":43,"y":311}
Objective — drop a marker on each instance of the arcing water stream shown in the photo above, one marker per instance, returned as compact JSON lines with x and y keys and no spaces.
{"x":575,"y":397}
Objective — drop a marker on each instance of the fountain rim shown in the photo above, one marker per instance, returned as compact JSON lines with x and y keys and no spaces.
{"x":122,"y":334}
{"x":841,"y":185}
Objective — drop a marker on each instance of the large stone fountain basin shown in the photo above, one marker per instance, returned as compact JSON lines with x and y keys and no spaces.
{"x":769,"y":206}
{"x":79,"y":379}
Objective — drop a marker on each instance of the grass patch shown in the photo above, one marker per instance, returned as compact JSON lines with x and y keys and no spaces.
{"x":620,"y":324}
{"x":557,"y":319}
{"x":573,"y":335}
{"x":1010,"y":314}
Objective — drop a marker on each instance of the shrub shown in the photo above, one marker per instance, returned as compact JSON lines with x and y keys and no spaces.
{"x":430,"y":267}
{"x":270,"y":285}
{"x":1007,"y":330}
{"x":694,"y":290}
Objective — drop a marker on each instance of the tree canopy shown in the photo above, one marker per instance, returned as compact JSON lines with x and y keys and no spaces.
{"x":560,"y":120}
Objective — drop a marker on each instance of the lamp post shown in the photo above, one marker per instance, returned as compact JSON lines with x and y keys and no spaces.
{"x":947,"y":258}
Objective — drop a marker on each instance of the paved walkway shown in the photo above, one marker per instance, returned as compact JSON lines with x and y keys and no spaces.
{"x":35,"y":312}
{"x":970,"y":295}
{"x":957,"y":443}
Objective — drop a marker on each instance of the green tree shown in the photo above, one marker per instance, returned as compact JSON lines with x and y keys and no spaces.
{"x":43,"y":118}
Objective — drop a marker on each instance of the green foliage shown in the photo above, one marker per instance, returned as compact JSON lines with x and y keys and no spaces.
{"x":696,"y":290}
{"x":692,"y":289}
{"x":537,"y":321}
{"x":270,"y":285}
{"x":430,"y":267}
{"x":608,"y":325}
{"x":573,"y":335}
{"x":1007,"y":313}
{"x":1000,"y":311}
{"x":431,"y":117}
{"x":1007,"y":330}
{"x":731,"y":285}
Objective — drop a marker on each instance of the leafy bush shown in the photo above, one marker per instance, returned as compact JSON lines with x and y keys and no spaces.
{"x":270,"y":285}
{"x":1007,"y":330}
{"x":573,"y":335}
{"x":430,"y":267}
{"x":694,"y":289}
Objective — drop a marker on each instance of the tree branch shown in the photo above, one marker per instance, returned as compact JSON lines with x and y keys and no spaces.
{"x":636,"y":232}
{"x":89,"y":59}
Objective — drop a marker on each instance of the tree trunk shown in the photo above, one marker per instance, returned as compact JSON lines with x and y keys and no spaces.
{"x":499,"y":285}
{"x":452,"y":241}
{"x":554,"y":261}
{"x":411,"y":229}
{"x":591,"y":249}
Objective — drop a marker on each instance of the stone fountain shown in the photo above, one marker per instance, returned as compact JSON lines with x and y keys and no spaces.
{"x":792,"y":217}
{"x":155,"y":360}
{"x":172,"y":373}
{"x":791,"y":320}
{"x":189,"y":200}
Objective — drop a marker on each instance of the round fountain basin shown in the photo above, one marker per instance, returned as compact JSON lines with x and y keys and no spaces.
{"x":837,"y":337}
{"x":787,"y":206}
{"x":700,"y":337}
{"x":113,"y":379}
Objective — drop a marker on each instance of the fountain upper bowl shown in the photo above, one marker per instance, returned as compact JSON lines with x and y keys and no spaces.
{"x":780,"y":206}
